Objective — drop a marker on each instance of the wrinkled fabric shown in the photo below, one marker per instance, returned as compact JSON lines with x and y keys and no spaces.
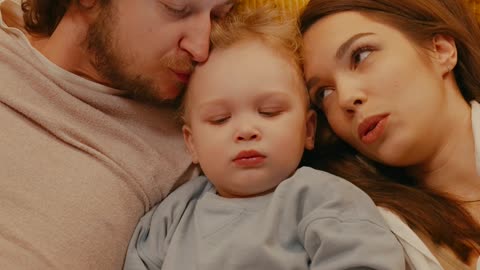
{"x":80,"y":163}
{"x":314,"y":220}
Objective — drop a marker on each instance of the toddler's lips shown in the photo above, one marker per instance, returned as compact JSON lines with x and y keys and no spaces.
{"x":250,"y":158}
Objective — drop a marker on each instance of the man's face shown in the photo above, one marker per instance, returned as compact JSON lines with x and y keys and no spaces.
{"x":149,"y":47}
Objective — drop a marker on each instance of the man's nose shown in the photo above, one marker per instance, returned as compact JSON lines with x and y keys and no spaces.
{"x":196,"y":40}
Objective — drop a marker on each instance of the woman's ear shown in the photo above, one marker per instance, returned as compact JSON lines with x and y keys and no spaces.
{"x":188,"y":138}
{"x":445,"y":52}
{"x":311,"y":126}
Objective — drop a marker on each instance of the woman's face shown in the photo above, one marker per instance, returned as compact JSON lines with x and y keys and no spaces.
{"x":380,"y":92}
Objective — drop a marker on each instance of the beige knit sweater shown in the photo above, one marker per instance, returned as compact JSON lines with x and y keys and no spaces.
{"x":80,"y":163}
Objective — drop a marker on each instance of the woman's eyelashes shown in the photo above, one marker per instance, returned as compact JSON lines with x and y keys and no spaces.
{"x":359,"y":54}
{"x":319,"y":95}
{"x":324,"y":92}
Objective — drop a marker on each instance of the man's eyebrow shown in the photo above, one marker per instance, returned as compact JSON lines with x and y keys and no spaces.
{"x":347,"y":44}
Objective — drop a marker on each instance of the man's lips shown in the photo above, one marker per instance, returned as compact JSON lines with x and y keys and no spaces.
{"x":183,"y":76}
{"x":249,"y":158}
{"x":372,"y":128}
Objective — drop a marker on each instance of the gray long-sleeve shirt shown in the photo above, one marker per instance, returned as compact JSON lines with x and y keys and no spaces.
{"x":313,"y":220}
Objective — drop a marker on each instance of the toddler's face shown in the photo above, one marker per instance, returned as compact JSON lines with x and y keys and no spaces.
{"x":247,"y":119}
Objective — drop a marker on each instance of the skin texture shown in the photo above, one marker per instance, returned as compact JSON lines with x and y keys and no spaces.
{"x":382,"y":72}
{"x":146,"y":47}
{"x":260,"y":104}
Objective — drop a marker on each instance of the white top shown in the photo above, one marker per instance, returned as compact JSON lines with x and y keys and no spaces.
{"x":417,"y":254}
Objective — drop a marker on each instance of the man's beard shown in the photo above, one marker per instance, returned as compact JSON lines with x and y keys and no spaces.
{"x":111,"y":62}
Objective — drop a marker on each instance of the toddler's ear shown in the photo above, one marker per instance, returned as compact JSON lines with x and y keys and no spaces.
{"x":188,"y":138}
{"x":311,"y":126}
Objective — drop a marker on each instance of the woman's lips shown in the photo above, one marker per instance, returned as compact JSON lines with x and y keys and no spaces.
{"x":372,"y":128}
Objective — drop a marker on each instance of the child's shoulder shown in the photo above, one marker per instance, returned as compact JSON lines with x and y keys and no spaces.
{"x":189,"y":191}
{"x":325,"y":193}
{"x":317,"y":179}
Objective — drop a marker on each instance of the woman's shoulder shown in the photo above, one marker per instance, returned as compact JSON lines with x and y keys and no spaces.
{"x":418,"y":256}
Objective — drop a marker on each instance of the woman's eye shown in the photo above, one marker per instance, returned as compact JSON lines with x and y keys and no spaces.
{"x":321,"y":94}
{"x":359,"y":55}
{"x":326,"y":92}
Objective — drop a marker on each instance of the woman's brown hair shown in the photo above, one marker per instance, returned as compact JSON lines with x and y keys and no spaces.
{"x":430,"y":212}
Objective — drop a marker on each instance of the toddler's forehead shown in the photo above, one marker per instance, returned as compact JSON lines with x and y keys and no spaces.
{"x":222,"y":59}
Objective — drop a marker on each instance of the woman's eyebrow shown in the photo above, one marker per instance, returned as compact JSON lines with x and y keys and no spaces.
{"x":347,"y":44}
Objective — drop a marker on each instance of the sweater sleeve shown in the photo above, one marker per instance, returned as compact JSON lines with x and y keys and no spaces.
{"x":149,"y":243}
{"x":351,"y":244}
{"x":341,"y":228}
